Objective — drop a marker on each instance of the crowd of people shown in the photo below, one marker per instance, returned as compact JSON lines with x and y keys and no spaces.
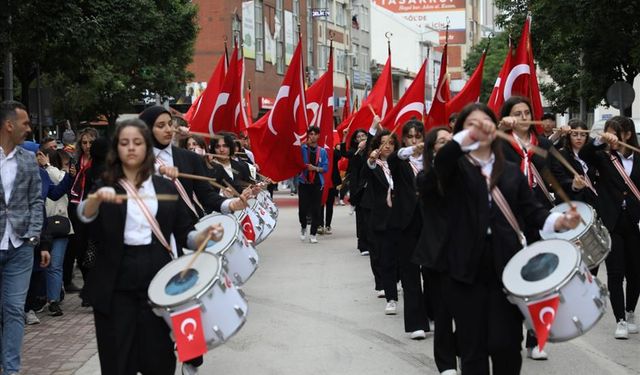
{"x":442,"y":212}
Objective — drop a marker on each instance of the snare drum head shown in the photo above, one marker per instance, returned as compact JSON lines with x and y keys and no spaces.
{"x":230,"y":226}
{"x":588,"y":216}
{"x":168,"y":288}
{"x":541,"y":267}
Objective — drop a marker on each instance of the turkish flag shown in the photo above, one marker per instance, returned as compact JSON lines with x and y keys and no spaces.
{"x":320,"y":114}
{"x":411,"y":105}
{"x":438,"y":115}
{"x":522,"y":79}
{"x":247,"y":229}
{"x":471,"y":90}
{"x":276,"y":138}
{"x":543,"y":313}
{"x":497,"y":98}
{"x":228,"y":105}
{"x":380,"y":99}
{"x":189,"y":333}
{"x":198,"y":114}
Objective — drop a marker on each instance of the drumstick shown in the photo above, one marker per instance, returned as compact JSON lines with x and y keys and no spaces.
{"x":160,"y":197}
{"x":573,"y":130}
{"x":632,"y":148}
{"x":196,"y":177}
{"x":555,"y":185}
{"x":235,"y":192}
{"x":562,"y":160}
{"x":531,"y":122}
{"x":537,"y":150}
{"x":205,"y":135}
{"x":197,"y":254}
{"x":218,"y":156}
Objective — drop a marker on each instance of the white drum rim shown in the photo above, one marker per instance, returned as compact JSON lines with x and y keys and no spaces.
{"x":570,"y":269}
{"x":191,"y":297}
{"x":581,"y":229}
{"x":236,"y":229}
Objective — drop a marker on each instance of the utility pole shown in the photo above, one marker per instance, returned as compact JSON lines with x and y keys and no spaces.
{"x":8,"y":62}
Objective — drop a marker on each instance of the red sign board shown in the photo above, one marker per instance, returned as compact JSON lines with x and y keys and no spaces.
{"x":266,"y":103}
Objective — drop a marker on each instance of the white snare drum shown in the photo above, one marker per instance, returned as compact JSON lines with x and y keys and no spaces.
{"x":258,"y":223}
{"x":239,"y":257}
{"x":268,"y":221}
{"x":554,"y":267}
{"x":265,"y":201}
{"x":593,"y":238}
{"x":223,"y":306}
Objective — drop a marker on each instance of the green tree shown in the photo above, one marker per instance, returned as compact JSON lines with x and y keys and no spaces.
{"x":584,"y":46}
{"x":496,"y":54}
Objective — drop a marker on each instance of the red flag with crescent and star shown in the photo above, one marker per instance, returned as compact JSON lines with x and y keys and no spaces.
{"x":204,"y":104}
{"x":189,"y":333}
{"x":247,"y":229}
{"x":411,"y":105}
{"x":438,"y":115}
{"x":276,"y":138}
{"x":379,"y":101}
{"x":471,"y":90}
{"x":543,"y":313}
{"x":497,"y":98}
{"x":320,"y":114}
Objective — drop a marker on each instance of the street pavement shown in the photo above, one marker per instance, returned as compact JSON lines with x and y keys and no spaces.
{"x":313,"y":310}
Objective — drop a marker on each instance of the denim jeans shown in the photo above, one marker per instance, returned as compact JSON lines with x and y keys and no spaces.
{"x":15,"y":272}
{"x":54,"y":271}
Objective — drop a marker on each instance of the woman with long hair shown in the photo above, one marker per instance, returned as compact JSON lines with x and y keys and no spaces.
{"x":134,"y":239}
{"x":221,"y":165}
{"x":619,"y":209}
{"x":480,"y":240}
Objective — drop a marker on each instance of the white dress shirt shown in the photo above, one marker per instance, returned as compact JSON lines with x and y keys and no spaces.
{"x":8,"y":171}
{"x":627,"y":163}
{"x":165,"y":154}
{"x":406,"y":153}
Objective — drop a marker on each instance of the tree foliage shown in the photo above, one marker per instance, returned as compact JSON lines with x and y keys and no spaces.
{"x":100,"y":56}
{"x":584,"y":46}
{"x":496,"y":53}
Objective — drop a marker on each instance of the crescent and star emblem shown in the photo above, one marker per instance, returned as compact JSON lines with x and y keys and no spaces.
{"x":184,"y":324}
{"x":516,"y":72}
{"x":411,"y":107}
{"x":282,"y":93}
{"x":544,"y":311}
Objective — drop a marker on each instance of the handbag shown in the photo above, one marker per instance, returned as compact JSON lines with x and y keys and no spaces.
{"x":58,"y":226}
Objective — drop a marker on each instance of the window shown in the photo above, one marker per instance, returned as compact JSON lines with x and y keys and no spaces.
{"x":259,"y":21}
{"x":323,"y":58}
{"x":364,"y":59}
{"x":364,"y":19}
{"x":280,"y":38}
{"x":296,"y":20}
{"x":331,"y":6}
{"x":341,"y":15}
{"x":309,"y":34}
{"x":341,"y":58}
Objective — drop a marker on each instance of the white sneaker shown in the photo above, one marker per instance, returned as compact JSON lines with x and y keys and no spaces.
{"x":341,"y":202}
{"x":380,"y":293}
{"x":418,"y":335}
{"x":622,"y":330}
{"x":327,"y":230}
{"x":189,"y":369}
{"x":313,"y":239}
{"x":632,"y":326}
{"x":364,"y":253}
{"x":391,"y":307}
{"x":31,"y":318}
{"x":449,"y":372}
{"x":303,"y":234}
{"x":537,"y":354}
{"x":352,"y":210}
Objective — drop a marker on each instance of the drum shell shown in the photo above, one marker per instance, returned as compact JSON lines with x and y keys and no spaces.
{"x":256,"y":221}
{"x":269,"y":222}
{"x":223,"y":311}
{"x":265,"y":201}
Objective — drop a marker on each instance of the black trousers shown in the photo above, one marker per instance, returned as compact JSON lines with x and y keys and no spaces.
{"x":386,"y":243}
{"x":131,"y":338}
{"x":488,"y":325}
{"x":624,"y":262}
{"x":327,"y":208}
{"x":309,"y":196}
{"x":362,"y":229}
{"x":369,"y":240}
{"x":444,"y":339}
{"x":76,"y":248}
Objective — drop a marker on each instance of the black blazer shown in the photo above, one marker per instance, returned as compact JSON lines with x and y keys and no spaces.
{"x":540,"y":163}
{"x":612,"y":190}
{"x":375,"y":196}
{"x":190,"y":162}
{"x":240,"y":174}
{"x":469,"y":214}
{"x":404,"y":196}
{"x":429,"y":250}
{"x":108,"y":232}
{"x":565,"y":179}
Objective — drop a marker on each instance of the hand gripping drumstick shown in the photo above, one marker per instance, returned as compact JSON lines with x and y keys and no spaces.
{"x":555,"y":185}
{"x":204,"y":243}
{"x":160,"y":197}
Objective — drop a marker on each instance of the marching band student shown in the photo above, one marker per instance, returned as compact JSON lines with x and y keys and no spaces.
{"x":169,"y":158}
{"x":404,"y":226}
{"x":194,"y":143}
{"x":481,"y":240}
{"x":379,"y":190}
{"x":515,"y":113}
{"x":619,"y":209}
{"x":133,"y":238}
{"x":224,"y":168}
{"x":429,"y":251}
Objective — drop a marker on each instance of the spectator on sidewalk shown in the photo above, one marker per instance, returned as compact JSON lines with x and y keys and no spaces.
{"x":20,"y":228}
{"x":310,"y":182}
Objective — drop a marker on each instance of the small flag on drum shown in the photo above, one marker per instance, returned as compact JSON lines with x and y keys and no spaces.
{"x":247,"y":229}
{"x":189,"y":335}
{"x":543,"y":313}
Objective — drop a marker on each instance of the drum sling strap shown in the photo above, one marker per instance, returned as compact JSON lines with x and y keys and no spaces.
{"x":155,"y":227}
{"x":623,"y":174}
{"x":503,"y":205}
{"x":181,"y":191}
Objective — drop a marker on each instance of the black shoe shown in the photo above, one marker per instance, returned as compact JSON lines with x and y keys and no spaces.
{"x":39,"y":305}
{"x":85,"y":303}
{"x":72,"y":288}
{"x":54,"y":308}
